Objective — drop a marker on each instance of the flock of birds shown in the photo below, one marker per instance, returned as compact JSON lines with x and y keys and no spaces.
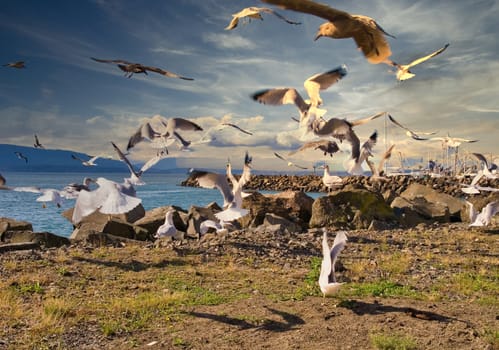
{"x":115,"y":198}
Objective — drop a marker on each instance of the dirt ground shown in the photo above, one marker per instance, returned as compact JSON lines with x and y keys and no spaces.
{"x":426,"y":288}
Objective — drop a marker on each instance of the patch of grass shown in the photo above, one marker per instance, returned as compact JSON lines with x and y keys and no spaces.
{"x":378,"y":289}
{"x":392,"y":342}
{"x":179,"y":342}
{"x":29,"y":288}
{"x":492,"y":337}
{"x":310,"y":286}
{"x":395,"y":264}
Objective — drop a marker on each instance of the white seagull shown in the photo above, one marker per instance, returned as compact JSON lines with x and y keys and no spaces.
{"x":290,"y":163}
{"x":168,"y":229}
{"x":109,"y":198}
{"x":484,"y":217}
{"x":327,"y":278}
{"x":403,"y":72}
{"x":378,"y":173}
{"x":330,"y":181}
{"x":254,"y":13}
{"x":354,"y":165}
{"x":89,"y":162}
{"x":308,"y":109}
{"x":409,"y":132}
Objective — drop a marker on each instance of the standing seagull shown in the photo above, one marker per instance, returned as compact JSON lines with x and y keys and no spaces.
{"x":18,"y":65}
{"x":403,"y":72}
{"x":136,"y":68}
{"x":254,"y":13}
{"x":37,"y":143}
{"x":330,"y":181}
{"x":368,"y":35}
{"x":168,"y":229}
{"x":327,"y":278}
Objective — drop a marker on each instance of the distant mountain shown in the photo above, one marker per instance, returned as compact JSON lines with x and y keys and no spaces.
{"x":53,"y":160}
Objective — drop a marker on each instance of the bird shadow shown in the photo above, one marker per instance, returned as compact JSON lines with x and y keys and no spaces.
{"x":362,"y":308}
{"x":132,"y":265}
{"x":289,"y":322}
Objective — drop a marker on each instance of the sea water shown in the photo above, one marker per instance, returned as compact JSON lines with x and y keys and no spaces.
{"x":160,"y":190}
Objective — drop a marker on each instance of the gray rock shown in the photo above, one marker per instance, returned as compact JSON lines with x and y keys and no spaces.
{"x":154,"y":218}
{"x":284,"y":224}
{"x":45,"y":239}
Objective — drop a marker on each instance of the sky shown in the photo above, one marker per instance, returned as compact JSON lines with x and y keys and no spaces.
{"x":72,"y":102}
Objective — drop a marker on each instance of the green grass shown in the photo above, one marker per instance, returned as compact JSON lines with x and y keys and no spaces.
{"x":492,"y":337}
{"x":392,"y":342}
{"x":29,"y":288}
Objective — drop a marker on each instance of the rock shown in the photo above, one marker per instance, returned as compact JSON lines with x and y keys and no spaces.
{"x":294,"y":206}
{"x":46,"y":239}
{"x":112,"y":226}
{"x":154,"y":218}
{"x":419,"y":194}
{"x":284,"y":224}
{"x":349,"y":208}
{"x":195,"y":216}
{"x":18,"y":246}
{"x":7,"y":224}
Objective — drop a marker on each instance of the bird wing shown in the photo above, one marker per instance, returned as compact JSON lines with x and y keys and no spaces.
{"x":165,"y":72}
{"x":365,"y":120}
{"x":322,"y":81}
{"x":384,"y":158}
{"x":93,"y":159}
{"x":308,"y":145}
{"x":280,"y":96}
{"x":482,"y":159}
{"x":151,"y":162}
{"x":326,"y":263}
{"x":289,"y":163}
{"x":367,"y":147}
{"x":207,"y":224}
{"x":213,"y":180}
{"x":491,"y":209}
{"x":111,"y":61}
{"x":231,"y":214}
{"x":354,"y":141}
{"x":246,"y":175}
{"x":77,"y":158}
{"x":86,"y":203}
{"x":310,"y":7}
{"x":268,"y":10}
{"x":425,"y":58}
{"x":182,"y":124}
{"x":339,"y":243}
{"x":238,"y":128}
{"x":125,"y":160}
{"x":370,"y":38}
{"x":398,"y":124}
{"x":144,"y":132}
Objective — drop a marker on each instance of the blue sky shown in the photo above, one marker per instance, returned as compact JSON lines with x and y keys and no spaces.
{"x":72,"y":102}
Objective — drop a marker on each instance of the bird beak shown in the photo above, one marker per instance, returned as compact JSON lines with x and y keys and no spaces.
{"x":317,"y":36}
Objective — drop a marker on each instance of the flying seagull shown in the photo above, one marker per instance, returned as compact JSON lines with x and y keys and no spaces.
{"x":308,"y":109}
{"x":484,"y":217}
{"x":342,"y":129}
{"x":37,"y":143}
{"x":290,"y":163}
{"x":449,"y":141}
{"x":21,"y":156}
{"x":18,"y":65}
{"x":377,"y":173}
{"x":326,"y":146}
{"x":135,"y":68}
{"x":89,"y":162}
{"x":403,"y":72}
{"x":327,"y":278}
{"x":409,"y":132}
{"x":367,"y":34}
{"x":254,"y":13}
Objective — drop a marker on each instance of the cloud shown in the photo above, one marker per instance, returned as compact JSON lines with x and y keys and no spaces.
{"x":229,"y":41}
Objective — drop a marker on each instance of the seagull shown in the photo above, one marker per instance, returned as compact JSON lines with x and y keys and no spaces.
{"x":37,"y":143}
{"x":21,"y":156}
{"x":205,"y":226}
{"x":403,"y":72}
{"x":452,"y":141}
{"x":377,"y":173}
{"x":290,"y":163}
{"x":18,"y":65}
{"x":51,"y":195}
{"x":308,"y":109}
{"x":484,"y":217}
{"x":409,"y":132}
{"x":72,"y":190}
{"x":169,"y":126}
{"x":109,"y":198}
{"x":326,"y":146}
{"x":367,"y":34}
{"x":135,"y":175}
{"x":354,"y":165}
{"x":223,"y":125}
{"x":135,"y":68}
{"x":168,"y":229}
{"x":327,"y":278}
{"x":254,"y":13}
{"x":486,"y":169}
{"x":89,"y":162}
{"x":330,"y":181}
{"x":342,"y":129}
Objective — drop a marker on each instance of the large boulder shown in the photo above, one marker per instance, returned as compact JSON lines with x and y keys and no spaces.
{"x":196,"y":215}
{"x":431,"y":202}
{"x":45,"y":239}
{"x":154,"y":218}
{"x":418,"y":211}
{"x":113,"y":226}
{"x":350,"y":208}
{"x":7,"y":224}
{"x":295,"y":206}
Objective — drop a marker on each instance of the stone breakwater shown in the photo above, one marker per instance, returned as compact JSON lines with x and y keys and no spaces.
{"x":396,"y":184}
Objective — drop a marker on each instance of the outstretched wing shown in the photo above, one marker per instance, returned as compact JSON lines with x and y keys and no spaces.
{"x":111,"y":61}
{"x":238,"y":128}
{"x":165,"y":73}
{"x":425,"y":58}
{"x":339,"y":243}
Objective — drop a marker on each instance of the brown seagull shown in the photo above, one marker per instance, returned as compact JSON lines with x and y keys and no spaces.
{"x":367,"y":34}
{"x":135,"y":68}
{"x":254,"y":13}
